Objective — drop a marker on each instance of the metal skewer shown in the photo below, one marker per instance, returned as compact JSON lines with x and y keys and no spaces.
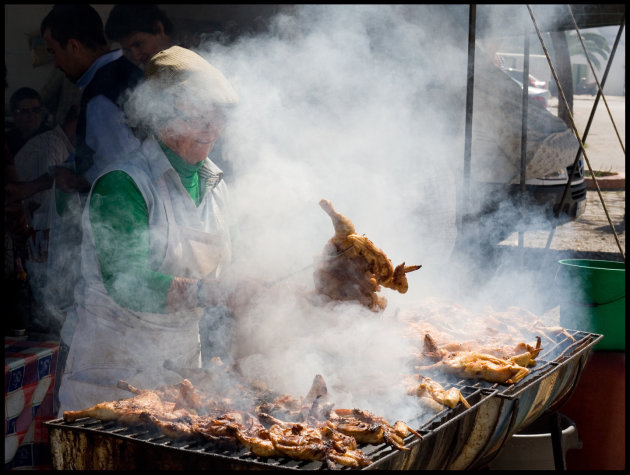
{"x":280,"y":279}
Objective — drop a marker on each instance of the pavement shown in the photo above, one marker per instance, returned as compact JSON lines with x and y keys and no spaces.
{"x":604,"y":141}
{"x":589,"y":236}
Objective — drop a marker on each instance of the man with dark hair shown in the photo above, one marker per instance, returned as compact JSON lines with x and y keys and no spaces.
{"x":75,"y":37}
{"x":141,"y":29}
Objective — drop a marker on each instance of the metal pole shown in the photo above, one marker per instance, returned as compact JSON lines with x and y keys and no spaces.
{"x":600,"y":87}
{"x":469,"y":110}
{"x":592,"y":115}
{"x":525,"y":110}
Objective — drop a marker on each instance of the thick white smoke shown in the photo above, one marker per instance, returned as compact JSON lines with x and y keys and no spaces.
{"x":344,"y":103}
{"x":363,"y":105}
{"x":340,"y":102}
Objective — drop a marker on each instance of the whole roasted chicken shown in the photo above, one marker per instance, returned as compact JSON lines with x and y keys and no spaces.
{"x":353,"y":268}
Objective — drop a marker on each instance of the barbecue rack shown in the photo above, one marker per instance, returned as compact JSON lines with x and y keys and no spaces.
{"x":548,"y":385}
{"x":459,"y":438}
{"x":92,"y":444}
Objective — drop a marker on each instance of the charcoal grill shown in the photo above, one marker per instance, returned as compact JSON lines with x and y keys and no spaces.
{"x":548,"y":385}
{"x":91,"y":444}
{"x":460,"y":438}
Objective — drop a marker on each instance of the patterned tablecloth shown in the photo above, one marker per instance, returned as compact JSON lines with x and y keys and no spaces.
{"x":29,"y":373}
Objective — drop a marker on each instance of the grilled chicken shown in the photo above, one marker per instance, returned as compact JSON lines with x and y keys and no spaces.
{"x":473,"y":365}
{"x":424,"y":387}
{"x":302,"y":441}
{"x":509,"y":368}
{"x":368,"y":428}
{"x":174,"y":426}
{"x":324,"y":434}
{"x":257,"y":440}
{"x":126,"y":410}
{"x":522,"y":353}
{"x":146,"y":408}
{"x":222,"y":430}
{"x":313,"y":406}
{"x":353,"y":268}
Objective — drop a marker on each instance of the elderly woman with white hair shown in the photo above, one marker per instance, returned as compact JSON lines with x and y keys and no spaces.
{"x":156,"y":238}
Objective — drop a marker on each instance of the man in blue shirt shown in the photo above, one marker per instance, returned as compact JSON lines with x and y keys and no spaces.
{"x":75,"y":37}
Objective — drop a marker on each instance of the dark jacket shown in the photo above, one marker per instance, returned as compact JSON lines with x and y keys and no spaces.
{"x":111,"y":81}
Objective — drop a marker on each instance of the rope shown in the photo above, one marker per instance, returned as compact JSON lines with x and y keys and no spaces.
{"x":599,"y":86}
{"x":575,"y":131}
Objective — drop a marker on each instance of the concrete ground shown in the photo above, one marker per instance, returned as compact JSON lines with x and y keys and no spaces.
{"x":591,"y":234}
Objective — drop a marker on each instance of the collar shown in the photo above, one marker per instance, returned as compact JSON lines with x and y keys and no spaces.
{"x":96,"y":65}
{"x":209,"y":172}
{"x":184,"y":169}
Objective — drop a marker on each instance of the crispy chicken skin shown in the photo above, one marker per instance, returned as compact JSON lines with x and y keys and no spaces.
{"x":369,"y":428}
{"x":353,"y":268}
{"x":424,"y":387}
{"x":324,"y":435}
{"x":482,"y":363}
{"x":146,"y":407}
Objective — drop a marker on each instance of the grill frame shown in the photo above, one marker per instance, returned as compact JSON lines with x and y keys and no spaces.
{"x":460,"y":438}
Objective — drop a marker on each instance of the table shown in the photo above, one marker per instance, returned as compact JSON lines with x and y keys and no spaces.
{"x":29,"y":374}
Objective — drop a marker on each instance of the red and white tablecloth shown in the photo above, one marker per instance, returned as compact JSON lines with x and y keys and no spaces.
{"x":29,"y":374}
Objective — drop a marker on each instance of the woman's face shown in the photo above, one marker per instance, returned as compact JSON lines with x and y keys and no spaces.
{"x":192,"y":135}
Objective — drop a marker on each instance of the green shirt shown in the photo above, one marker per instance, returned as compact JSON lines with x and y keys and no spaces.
{"x":120,"y":225}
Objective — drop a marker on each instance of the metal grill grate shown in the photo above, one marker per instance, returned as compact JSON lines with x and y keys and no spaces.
{"x":445,"y":434}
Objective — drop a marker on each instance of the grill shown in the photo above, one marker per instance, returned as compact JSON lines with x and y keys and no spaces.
{"x":549,"y":385}
{"x":457,"y":438}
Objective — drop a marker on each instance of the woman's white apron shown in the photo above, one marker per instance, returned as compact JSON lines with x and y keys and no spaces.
{"x":111,"y":343}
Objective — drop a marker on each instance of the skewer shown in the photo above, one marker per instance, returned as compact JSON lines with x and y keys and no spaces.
{"x":285,"y":277}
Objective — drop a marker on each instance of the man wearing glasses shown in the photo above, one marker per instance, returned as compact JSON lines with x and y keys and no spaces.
{"x":28,"y":118}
